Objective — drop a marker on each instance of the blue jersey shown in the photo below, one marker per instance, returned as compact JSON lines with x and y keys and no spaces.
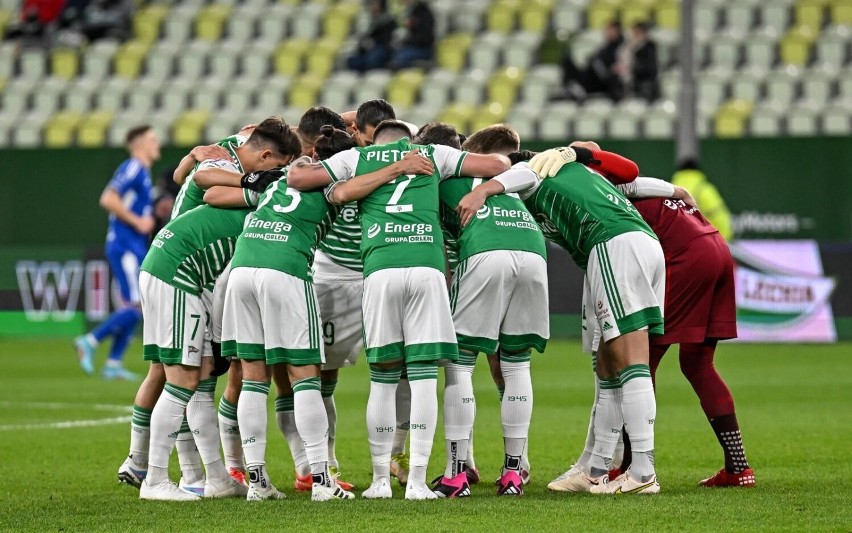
{"x":132,"y":182}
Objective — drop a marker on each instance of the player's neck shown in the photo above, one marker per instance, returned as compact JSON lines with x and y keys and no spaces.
{"x":146,"y":161}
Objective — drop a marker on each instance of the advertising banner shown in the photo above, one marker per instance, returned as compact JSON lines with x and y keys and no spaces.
{"x":782,"y":292}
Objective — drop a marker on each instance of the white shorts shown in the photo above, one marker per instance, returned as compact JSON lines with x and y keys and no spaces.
{"x":339,"y":293}
{"x":407,"y":316}
{"x":174,"y":323}
{"x":272,"y":316}
{"x":501,"y":297}
{"x":624,"y":288}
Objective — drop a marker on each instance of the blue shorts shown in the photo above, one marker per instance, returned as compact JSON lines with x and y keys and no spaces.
{"x":124,"y":262}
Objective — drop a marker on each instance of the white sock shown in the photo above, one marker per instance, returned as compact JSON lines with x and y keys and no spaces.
{"x":140,"y":435}
{"x":516,"y":407}
{"x":640,"y":411}
{"x":381,"y":417}
{"x":588,"y":448}
{"x":203,"y":420}
{"x":312,"y":424}
{"x":286,"y":419}
{"x":459,"y":412}
{"x":166,"y":419}
{"x":327,"y":389}
{"x":191,"y":468}
{"x":251,"y":413}
{"x":229,"y":434}
{"x":403,"y":416}
{"x":470,"y":462}
{"x":608,"y":424}
{"x":423,"y":378}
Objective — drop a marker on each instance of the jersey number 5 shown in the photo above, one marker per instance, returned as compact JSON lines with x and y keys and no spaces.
{"x":393,"y":205}
{"x":292,"y":193}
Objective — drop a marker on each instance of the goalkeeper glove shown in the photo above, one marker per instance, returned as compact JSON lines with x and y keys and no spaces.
{"x":260,"y":180}
{"x":547,"y":163}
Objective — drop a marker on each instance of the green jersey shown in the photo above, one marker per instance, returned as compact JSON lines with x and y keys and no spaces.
{"x":342,"y":244}
{"x":283,"y":232}
{"x":578,"y":209}
{"x":503,"y":223}
{"x":400,"y":224}
{"x":191,"y":195}
{"x":193,"y":249}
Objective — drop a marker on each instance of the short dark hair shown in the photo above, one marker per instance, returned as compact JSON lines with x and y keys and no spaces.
{"x":331,"y":141}
{"x":496,"y":138}
{"x":274,"y":133}
{"x":136,"y":132}
{"x":438,"y":133}
{"x":373,"y":112}
{"x":314,"y":119}
{"x":690,"y":163}
{"x":642,"y":26}
{"x":391,"y":125}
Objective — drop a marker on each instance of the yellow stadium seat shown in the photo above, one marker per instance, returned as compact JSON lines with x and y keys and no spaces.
{"x":635,"y":12}
{"x":452,"y":51}
{"x":731,"y":118}
{"x":64,"y":63}
{"x":304,"y":91}
{"x":503,"y":85}
{"x":93,"y":129}
{"x":810,"y":13}
{"x":601,"y":13}
{"x":458,"y":115}
{"x":668,"y":15}
{"x":211,"y":21}
{"x":147,"y":22}
{"x":59,"y":129}
{"x":501,"y":16}
{"x":841,"y":12}
{"x":5,"y":16}
{"x":795,"y":49}
{"x":337,"y":21}
{"x":487,"y":115}
{"x":187,"y":130}
{"x":404,"y":86}
{"x":128,"y":59}
{"x":288,"y":56}
{"x":535,"y":16}
{"x":320,"y":61}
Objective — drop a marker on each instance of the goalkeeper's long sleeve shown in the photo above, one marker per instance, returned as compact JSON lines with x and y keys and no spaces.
{"x":615,"y":168}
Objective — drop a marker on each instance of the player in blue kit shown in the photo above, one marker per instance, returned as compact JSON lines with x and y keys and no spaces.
{"x":128,"y":200}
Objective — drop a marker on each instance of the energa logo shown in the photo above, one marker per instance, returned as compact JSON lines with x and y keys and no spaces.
{"x":483,"y":212}
{"x":373,"y":230}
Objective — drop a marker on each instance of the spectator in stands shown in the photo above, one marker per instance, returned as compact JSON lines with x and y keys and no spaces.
{"x":639,"y":68}
{"x":89,"y":20}
{"x":36,"y":16}
{"x":712,"y":205}
{"x":419,"y":41}
{"x":374,"y":46}
{"x":599,"y":75}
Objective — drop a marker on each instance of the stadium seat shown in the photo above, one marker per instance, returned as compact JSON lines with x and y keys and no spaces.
{"x":237,"y":100}
{"x":502,"y":86}
{"x":818,"y":87}
{"x":795,"y":49}
{"x":765,"y":121}
{"x":472,"y":91}
{"x":337,"y":90}
{"x":836,"y":121}
{"x":241,"y":28}
{"x":600,"y":13}
{"x":459,"y":115}
{"x":306,"y":20}
{"x":64,"y":63}
{"x":782,"y":87}
{"x":486,"y":115}
{"x":706,"y":19}
{"x":189,"y":127}
{"x":832,"y":50}
{"x":111,"y":95}
{"x":7,"y":59}
{"x":160,"y":61}
{"x":210,"y":22}
{"x":79,"y":95}
{"x":219,"y":127}
{"x":31,"y":64}
{"x":93,"y":128}
{"x":584,"y":45}
{"x":521,"y":50}
{"x":775,"y":16}
{"x":372,"y":85}
{"x":801,"y":121}
{"x":403,"y":87}
{"x":810,"y":13}
{"x":501,"y":17}
{"x":128,"y":59}
{"x":667,"y":14}
{"x":28,"y":132}
{"x":731,"y":118}
{"x":658,"y":124}
{"x":724,"y":52}
{"x":435,"y":91}
{"x":98,"y":58}
{"x":60,"y":129}
{"x":147,"y":22}
{"x":304,"y":91}
{"x":739,"y":17}
{"x":46,"y":97}
{"x":225,"y":57}
{"x":142,"y":96}
{"x":207,"y":93}
{"x":484,"y":54}
{"x":535,"y":16}
{"x":566,"y":17}
{"x":274,"y":24}
{"x":623,"y":126}
{"x":524,"y":120}
{"x":271,"y":95}
{"x":746,"y":86}
{"x":177,"y":27}
{"x":841,"y":12}
{"x":759,"y":52}
{"x":287,"y":58}
{"x":337,"y":21}
{"x":323,"y":54}
{"x":590,"y":125}
{"x":451,"y":51}
{"x":711,"y":90}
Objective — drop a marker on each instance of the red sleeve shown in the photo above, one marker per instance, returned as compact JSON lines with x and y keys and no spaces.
{"x":614,"y":167}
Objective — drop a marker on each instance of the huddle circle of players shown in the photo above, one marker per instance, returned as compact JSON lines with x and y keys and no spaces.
{"x":292,"y":249}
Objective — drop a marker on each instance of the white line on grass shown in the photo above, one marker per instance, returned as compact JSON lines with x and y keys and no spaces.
{"x":67,"y":424}
{"x":67,"y":405}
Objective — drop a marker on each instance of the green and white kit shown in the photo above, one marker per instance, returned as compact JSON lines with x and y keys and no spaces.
{"x":191,"y":195}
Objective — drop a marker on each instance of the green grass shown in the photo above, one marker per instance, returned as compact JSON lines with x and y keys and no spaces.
{"x":797,"y":426}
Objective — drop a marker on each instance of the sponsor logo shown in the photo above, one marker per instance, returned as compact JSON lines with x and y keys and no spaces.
{"x":607,"y":326}
{"x":373,"y":230}
{"x":192,"y":349}
{"x":49,"y":289}
{"x":483,"y":212}
{"x":349,"y":214}
{"x":277,"y":226}
{"x":774,"y":223}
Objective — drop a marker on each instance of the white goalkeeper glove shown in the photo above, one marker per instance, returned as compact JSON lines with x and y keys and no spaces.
{"x":546,"y":164}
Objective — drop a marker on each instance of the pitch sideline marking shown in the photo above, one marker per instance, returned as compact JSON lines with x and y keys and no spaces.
{"x":66,"y":424}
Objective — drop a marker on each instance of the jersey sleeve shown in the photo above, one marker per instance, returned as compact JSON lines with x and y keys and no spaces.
{"x":448,"y":160}
{"x":252,"y":198}
{"x":342,"y":166}
{"x":223,"y":164}
{"x":126,"y":177}
{"x":615,"y":168}
{"x":519,"y":179}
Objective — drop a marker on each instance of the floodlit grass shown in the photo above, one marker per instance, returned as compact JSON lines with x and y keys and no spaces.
{"x":794,"y":405}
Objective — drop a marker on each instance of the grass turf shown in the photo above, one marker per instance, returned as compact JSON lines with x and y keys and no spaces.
{"x":797,"y":425}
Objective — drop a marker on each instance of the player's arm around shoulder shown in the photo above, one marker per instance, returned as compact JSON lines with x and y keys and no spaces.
{"x":516,"y":179}
{"x":227,"y":197}
{"x":412,"y":164}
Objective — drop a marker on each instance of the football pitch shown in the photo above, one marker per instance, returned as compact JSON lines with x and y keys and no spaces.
{"x":63,"y":436}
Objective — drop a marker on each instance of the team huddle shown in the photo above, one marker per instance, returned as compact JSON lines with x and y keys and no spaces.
{"x":292,"y":250}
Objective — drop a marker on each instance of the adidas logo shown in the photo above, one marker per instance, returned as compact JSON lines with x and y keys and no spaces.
{"x":607,"y":326}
